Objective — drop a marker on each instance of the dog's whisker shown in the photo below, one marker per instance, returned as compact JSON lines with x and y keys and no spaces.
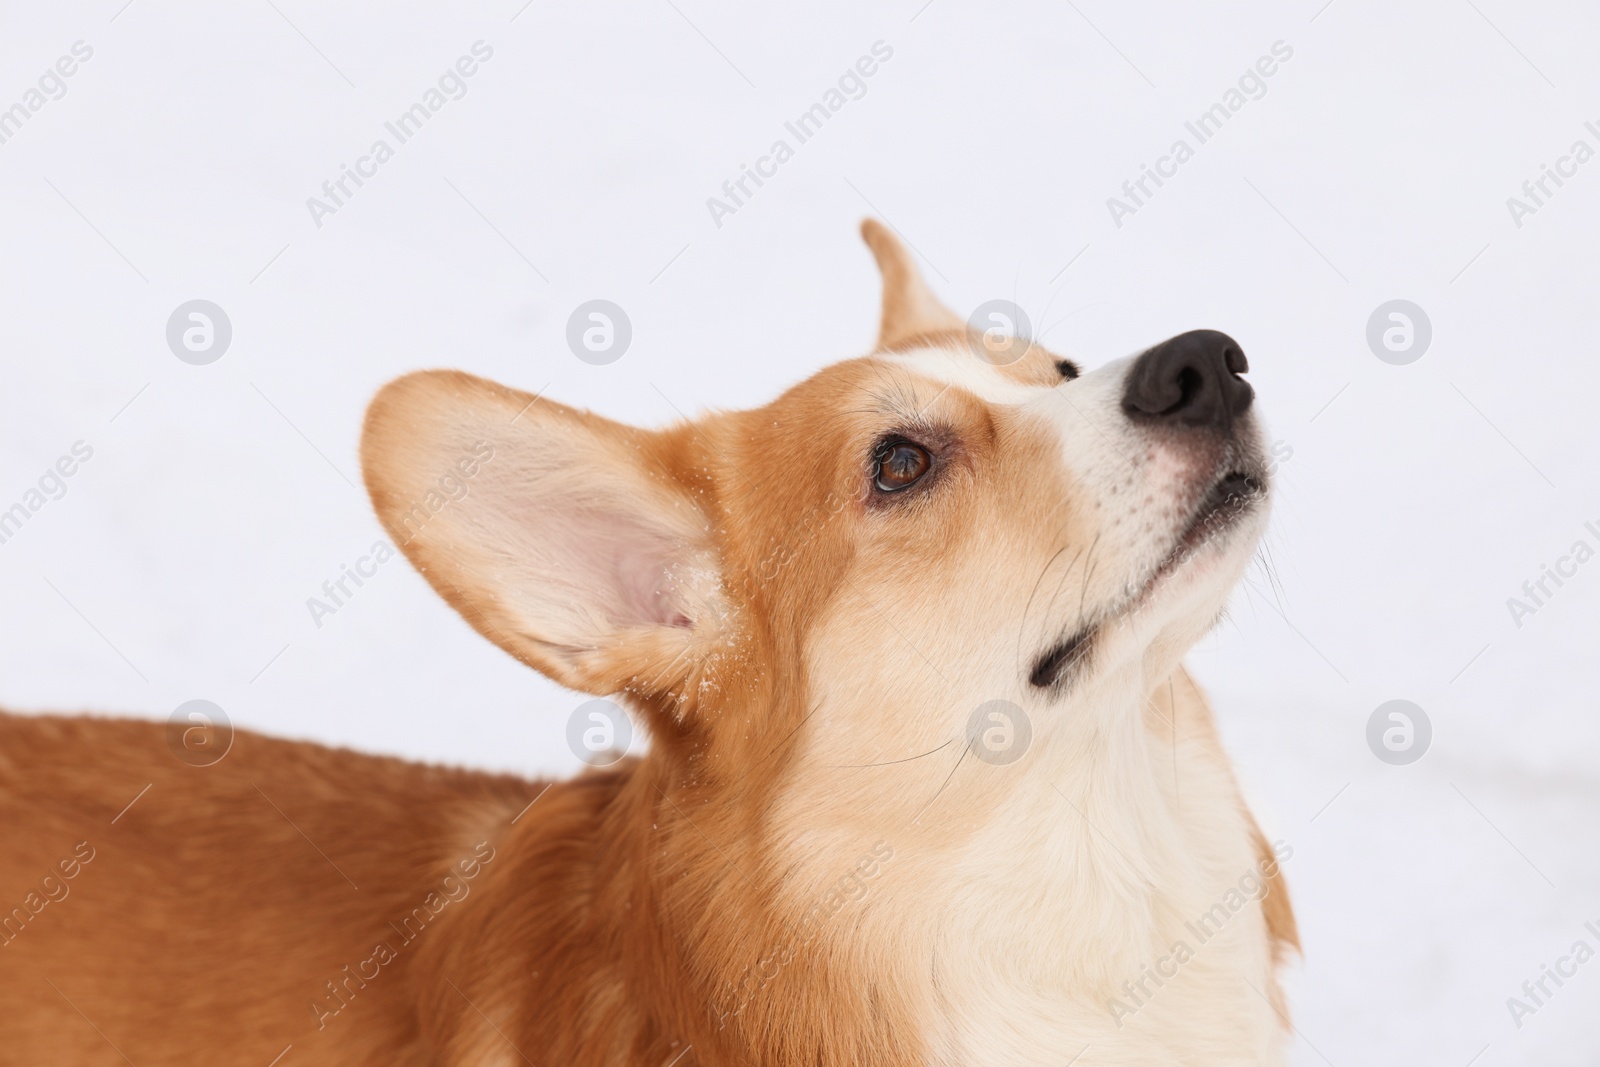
{"x":892,"y":762}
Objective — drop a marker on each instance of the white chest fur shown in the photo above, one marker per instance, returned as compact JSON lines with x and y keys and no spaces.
{"x":1110,"y":917}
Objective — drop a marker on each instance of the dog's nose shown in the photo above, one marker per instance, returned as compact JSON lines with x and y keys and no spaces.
{"x":1189,"y":380}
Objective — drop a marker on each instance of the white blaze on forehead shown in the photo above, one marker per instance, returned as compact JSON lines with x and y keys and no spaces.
{"x":1095,"y":395}
{"x":963,"y":368}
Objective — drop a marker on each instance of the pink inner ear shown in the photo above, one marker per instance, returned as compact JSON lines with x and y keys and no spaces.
{"x":627,"y":565}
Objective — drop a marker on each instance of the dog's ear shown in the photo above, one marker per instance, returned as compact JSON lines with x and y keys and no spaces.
{"x":561,"y":536}
{"x":909,"y":307}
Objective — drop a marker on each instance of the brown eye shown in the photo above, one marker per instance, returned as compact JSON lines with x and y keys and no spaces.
{"x":900,"y":465}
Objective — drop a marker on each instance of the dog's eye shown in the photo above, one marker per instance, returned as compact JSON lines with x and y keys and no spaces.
{"x":901,"y":464}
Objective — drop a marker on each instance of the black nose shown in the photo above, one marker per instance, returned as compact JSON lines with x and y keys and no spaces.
{"x":1190,"y":380}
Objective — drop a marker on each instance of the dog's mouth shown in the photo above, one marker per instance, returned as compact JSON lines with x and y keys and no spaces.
{"x":1235,"y":494}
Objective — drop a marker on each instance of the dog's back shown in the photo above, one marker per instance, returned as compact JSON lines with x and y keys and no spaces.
{"x":231,"y":908}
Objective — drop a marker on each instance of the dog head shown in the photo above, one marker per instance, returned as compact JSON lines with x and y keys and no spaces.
{"x":903,"y":538}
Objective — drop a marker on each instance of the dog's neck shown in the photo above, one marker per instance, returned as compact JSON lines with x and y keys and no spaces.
{"x":935,"y":910}
{"x":973,"y":893}
{"x":1082,"y":878}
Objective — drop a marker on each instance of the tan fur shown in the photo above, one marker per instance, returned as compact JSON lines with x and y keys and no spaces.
{"x":786,"y":640}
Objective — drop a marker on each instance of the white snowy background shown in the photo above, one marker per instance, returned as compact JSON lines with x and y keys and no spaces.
{"x":1376,"y":166}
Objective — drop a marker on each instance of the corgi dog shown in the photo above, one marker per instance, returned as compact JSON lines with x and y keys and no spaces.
{"x":926,"y":781}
